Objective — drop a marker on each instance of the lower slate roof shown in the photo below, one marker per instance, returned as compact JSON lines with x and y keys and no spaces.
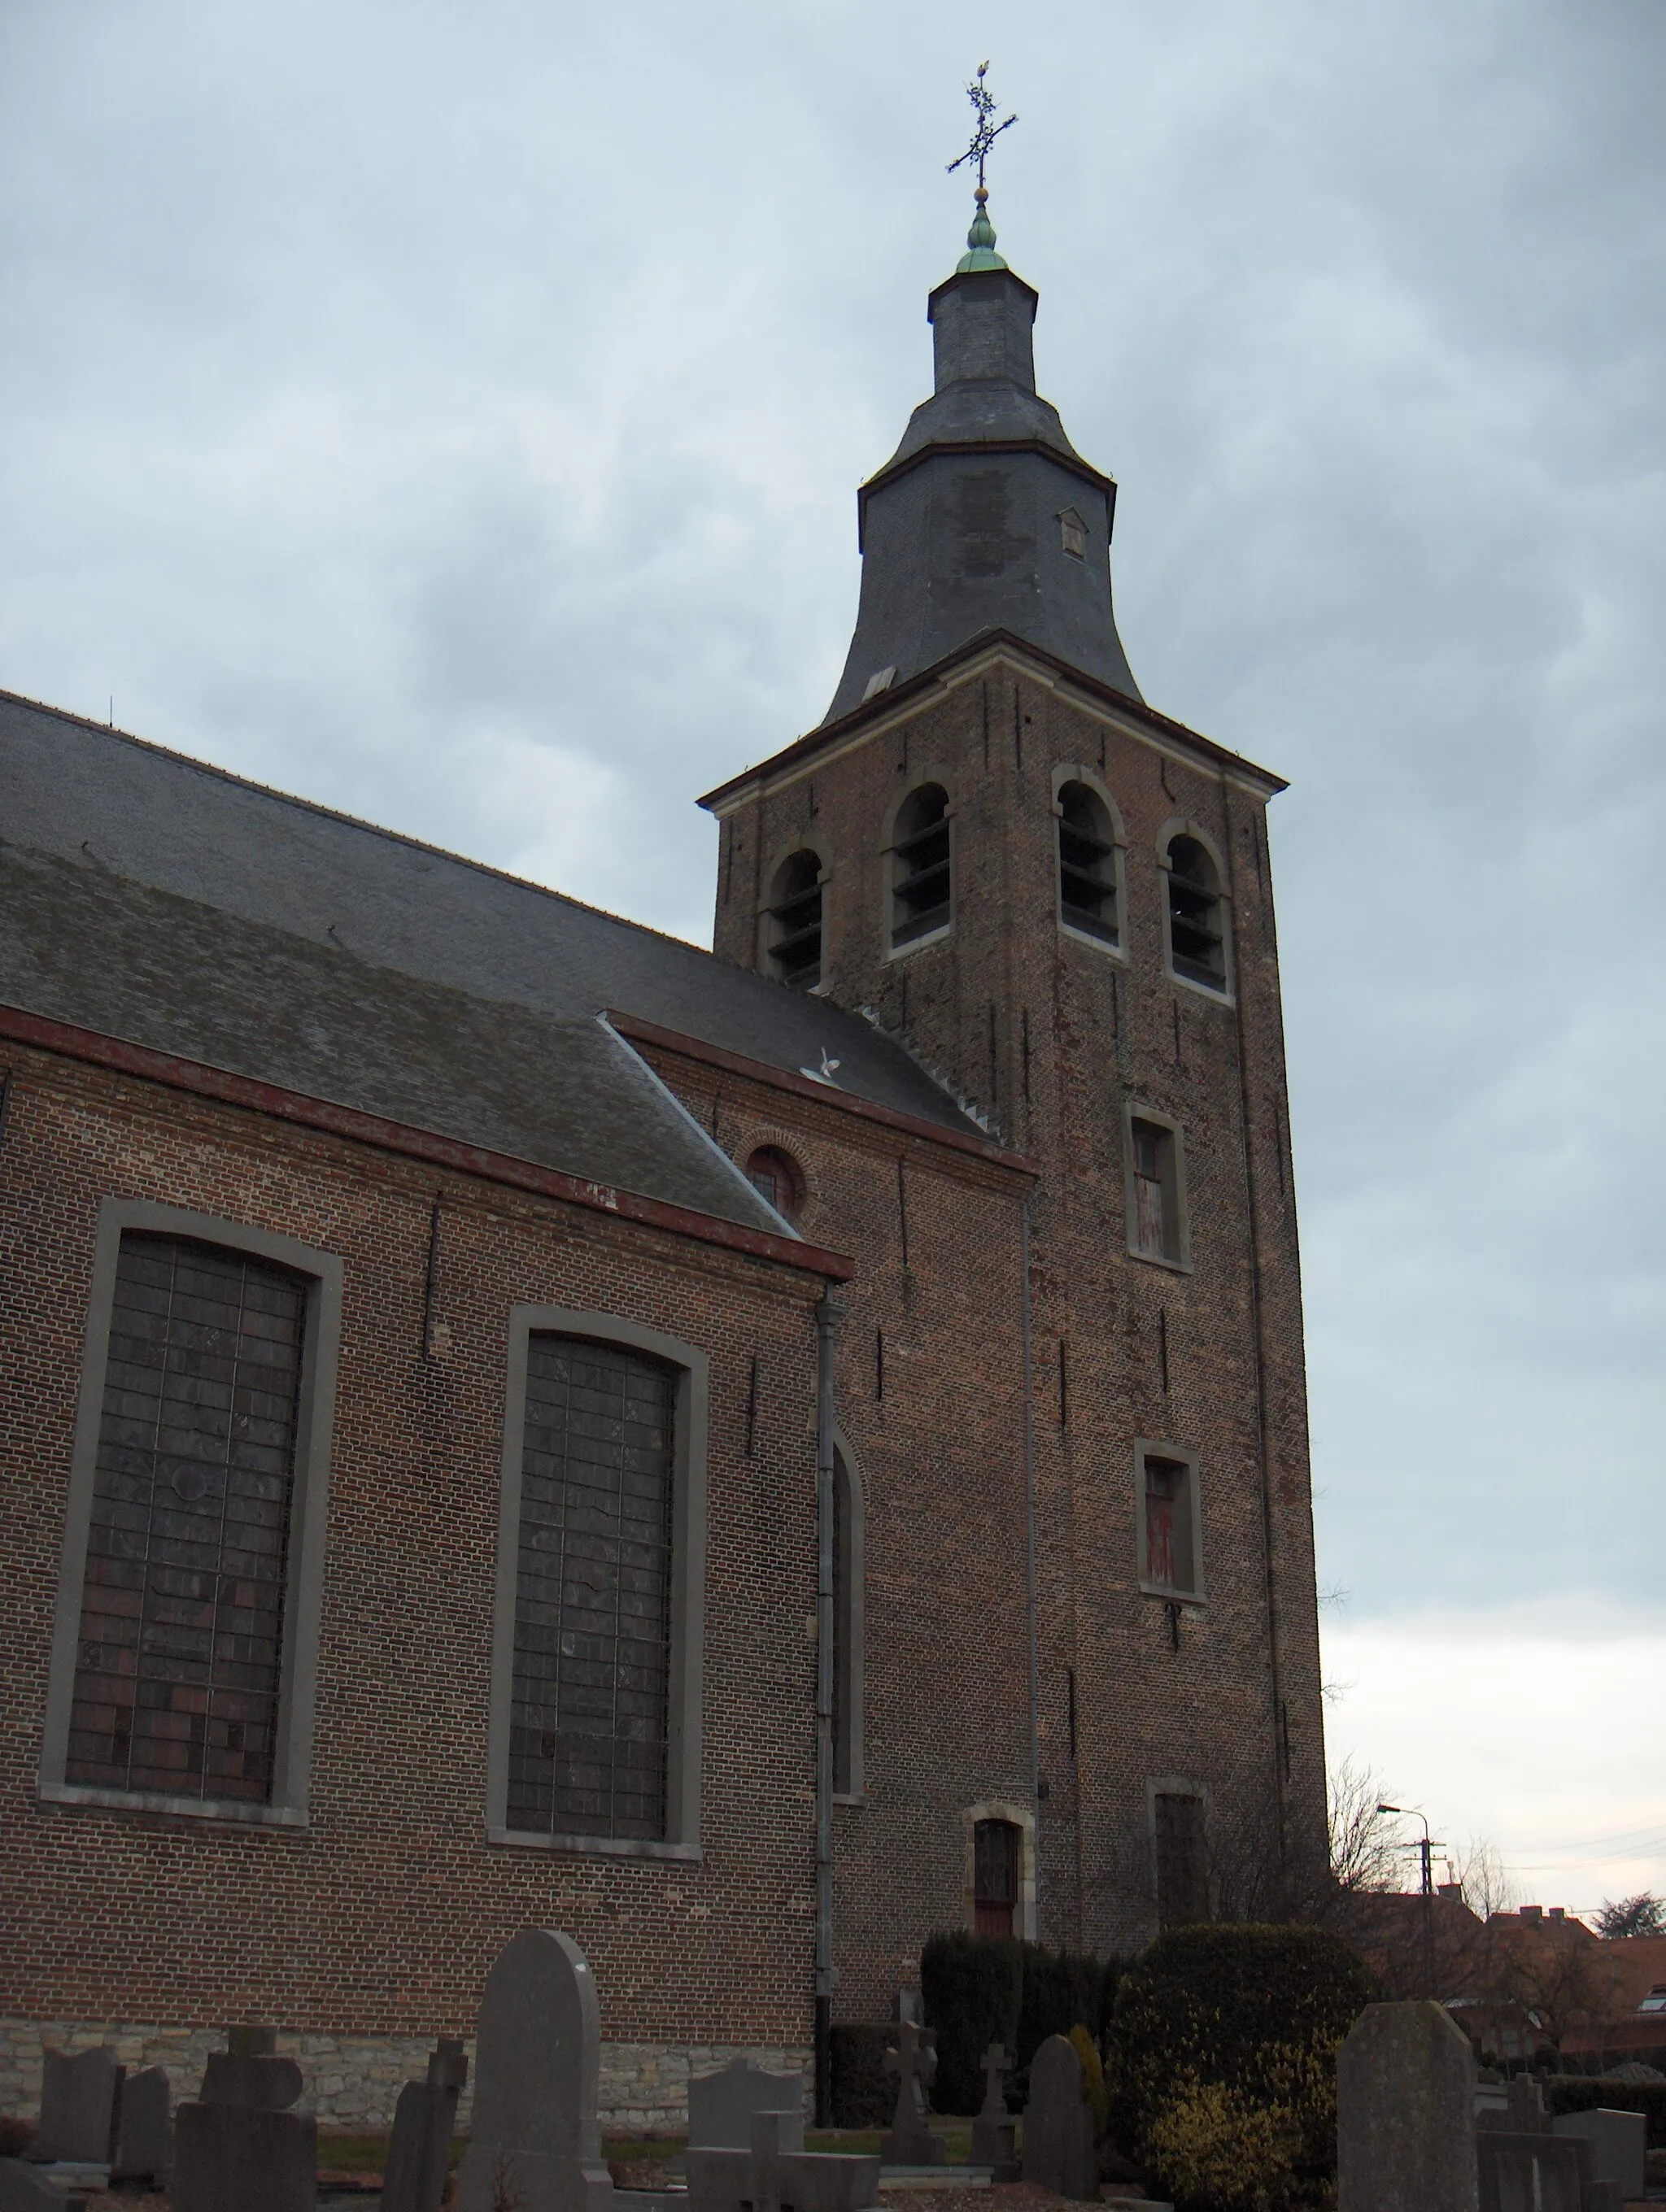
{"x":152,"y":898}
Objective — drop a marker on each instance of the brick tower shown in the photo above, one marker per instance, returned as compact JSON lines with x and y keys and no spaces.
{"x":1060,"y":900}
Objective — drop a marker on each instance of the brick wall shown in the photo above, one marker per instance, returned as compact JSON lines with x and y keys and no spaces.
{"x":1052,"y":1038}
{"x":381,"y":1917}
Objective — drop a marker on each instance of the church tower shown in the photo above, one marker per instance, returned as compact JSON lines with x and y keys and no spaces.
{"x":1060,"y":900}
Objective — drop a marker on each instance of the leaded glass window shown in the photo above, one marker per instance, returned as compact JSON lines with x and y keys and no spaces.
{"x":181,"y":1645}
{"x":587,"y":1750}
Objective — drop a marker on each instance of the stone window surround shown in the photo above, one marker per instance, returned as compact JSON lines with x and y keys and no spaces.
{"x":289,"y":1804}
{"x":1134,"y":1110}
{"x":1175,"y":1785}
{"x":1179,"y":825}
{"x":684,"y":1718}
{"x":854,"y":1627}
{"x":1078,"y":772}
{"x":918,"y":779}
{"x":1023,"y":1818}
{"x":1193,"y":1599}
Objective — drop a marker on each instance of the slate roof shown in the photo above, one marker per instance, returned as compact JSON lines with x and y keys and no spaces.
{"x":150,"y":897}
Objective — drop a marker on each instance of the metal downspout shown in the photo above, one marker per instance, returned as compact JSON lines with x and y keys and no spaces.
{"x":828,"y":1311}
{"x":1029,"y":1567}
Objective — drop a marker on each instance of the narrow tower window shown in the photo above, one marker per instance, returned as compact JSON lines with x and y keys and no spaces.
{"x":1182,"y":1874}
{"x":795,"y":918}
{"x":995,"y":1846}
{"x":921,"y":885}
{"x":1197,"y":913}
{"x":1156,"y":1202}
{"x":775,"y":1177}
{"x":1087,"y":863}
{"x":1072,"y":534}
{"x":1168,"y":1531}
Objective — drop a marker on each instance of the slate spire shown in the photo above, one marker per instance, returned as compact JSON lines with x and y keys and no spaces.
{"x":985,"y":517}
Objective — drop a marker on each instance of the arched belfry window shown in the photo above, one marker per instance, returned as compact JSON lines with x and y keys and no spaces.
{"x":1197,"y":914}
{"x":795,"y":922}
{"x":1087,"y":863}
{"x":922,"y":890}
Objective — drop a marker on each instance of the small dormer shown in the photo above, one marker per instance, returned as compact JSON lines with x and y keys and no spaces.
{"x":1072,"y":533}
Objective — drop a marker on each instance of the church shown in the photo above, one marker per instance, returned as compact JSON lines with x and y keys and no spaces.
{"x":750,"y":1457}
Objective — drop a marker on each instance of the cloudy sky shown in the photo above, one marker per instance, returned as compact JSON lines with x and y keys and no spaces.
{"x":454,"y":413}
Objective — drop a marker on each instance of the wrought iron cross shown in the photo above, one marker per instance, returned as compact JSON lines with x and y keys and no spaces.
{"x":984,"y":133}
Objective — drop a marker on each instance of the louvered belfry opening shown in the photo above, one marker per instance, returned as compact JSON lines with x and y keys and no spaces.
{"x":1196,"y":939}
{"x":796,"y":914}
{"x":593,"y":1603}
{"x":922,"y":894}
{"x":1087,"y":863}
{"x":176,"y":1674}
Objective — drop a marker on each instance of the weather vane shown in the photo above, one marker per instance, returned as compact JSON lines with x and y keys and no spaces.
{"x":984,"y":133}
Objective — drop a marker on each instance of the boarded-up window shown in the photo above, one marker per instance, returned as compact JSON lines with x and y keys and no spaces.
{"x":995,"y":1846}
{"x":1182,"y":1883}
{"x":1171,"y":1540}
{"x":182,"y":1607}
{"x":1150,"y":1234}
{"x":592,"y":1596}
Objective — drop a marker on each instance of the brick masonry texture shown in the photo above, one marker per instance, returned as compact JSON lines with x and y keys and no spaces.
{"x":1052,"y":1036}
{"x":370,"y":1932}
{"x":382,"y":1916}
{"x":354,"y":2081}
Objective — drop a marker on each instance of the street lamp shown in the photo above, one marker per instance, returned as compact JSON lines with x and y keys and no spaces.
{"x":1426,"y":1853}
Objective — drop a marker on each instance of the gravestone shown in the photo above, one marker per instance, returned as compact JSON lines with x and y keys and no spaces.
{"x":534,"y":2135}
{"x":1406,"y":2112}
{"x":775,"y":2170}
{"x":26,"y":2189}
{"x":1059,"y":2151}
{"x":994,"y":2130}
{"x":143,"y":2130}
{"x":914,"y":2062}
{"x":80,"y":2097}
{"x":721,"y":2106}
{"x":1618,"y":2143}
{"x":425,"y":2119}
{"x":239,"y":2145}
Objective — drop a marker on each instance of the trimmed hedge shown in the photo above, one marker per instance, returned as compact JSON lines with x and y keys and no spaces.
{"x":1583,"y":2093}
{"x":980,"y":1989}
{"x":864,"y":2094}
{"x":1255,"y":2012}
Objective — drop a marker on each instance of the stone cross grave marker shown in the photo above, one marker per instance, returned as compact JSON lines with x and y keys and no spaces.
{"x":144,"y":2134}
{"x":721,"y":2105}
{"x":239,"y":2144}
{"x":534,"y":2136}
{"x":776,"y":2172}
{"x":1059,"y":2151}
{"x":1405,"y":2112}
{"x":424,"y":2120}
{"x":914,"y":2062}
{"x":993,"y":2130}
{"x":79,"y":2099}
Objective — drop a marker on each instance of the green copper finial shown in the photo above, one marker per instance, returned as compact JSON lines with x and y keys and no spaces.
{"x":981,"y":238}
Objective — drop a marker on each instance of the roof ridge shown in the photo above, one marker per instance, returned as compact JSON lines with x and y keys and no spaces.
{"x":360,"y":822}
